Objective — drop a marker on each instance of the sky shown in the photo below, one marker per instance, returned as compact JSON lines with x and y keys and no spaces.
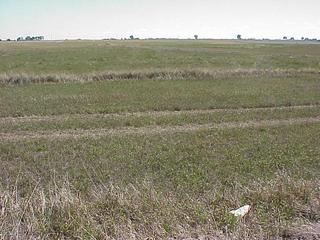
{"x":97,"y":19}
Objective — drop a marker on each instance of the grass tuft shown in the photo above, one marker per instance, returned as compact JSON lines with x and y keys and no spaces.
{"x":142,"y":211}
{"x":200,"y":74}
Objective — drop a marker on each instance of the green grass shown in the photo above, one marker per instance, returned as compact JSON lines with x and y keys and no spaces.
{"x":207,"y":173}
{"x":158,"y":184}
{"x":95,"y":56}
{"x":191,"y":162}
{"x":167,"y":118}
{"x":146,"y":95}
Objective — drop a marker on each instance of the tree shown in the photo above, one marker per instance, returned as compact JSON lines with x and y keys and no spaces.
{"x":239,"y":37}
{"x":131,"y":37}
{"x":292,"y":38}
{"x":285,"y":38}
{"x":196,"y":37}
{"x":302,"y":38}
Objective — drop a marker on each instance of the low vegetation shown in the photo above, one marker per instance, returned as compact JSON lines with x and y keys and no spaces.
{"x":88,"y":57}
{"x":19,"y":79}
{"x":161,"y":141}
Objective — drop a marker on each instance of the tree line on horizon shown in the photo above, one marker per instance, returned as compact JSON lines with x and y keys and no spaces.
{"x":132,"y":37}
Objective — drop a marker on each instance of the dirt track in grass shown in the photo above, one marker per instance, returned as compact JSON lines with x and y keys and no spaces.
{"x":103,"y":132}
{"x":54,"y":118}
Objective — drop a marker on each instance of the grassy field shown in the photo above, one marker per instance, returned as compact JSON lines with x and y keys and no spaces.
{"x":159,"y":139}
{"x":75,"y":57}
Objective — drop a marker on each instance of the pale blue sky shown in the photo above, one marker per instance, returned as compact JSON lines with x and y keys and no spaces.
{"x":97,"y":19}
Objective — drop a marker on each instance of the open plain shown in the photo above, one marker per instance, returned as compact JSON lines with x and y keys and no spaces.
{"x":159,"y":139}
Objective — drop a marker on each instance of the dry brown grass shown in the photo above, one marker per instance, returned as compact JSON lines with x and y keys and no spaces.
{"x":306,"y":232}
{"x":142,"y":212}
{"x":152,"y":75}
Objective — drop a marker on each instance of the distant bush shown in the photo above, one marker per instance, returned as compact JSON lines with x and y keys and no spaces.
{"x":28,"y":38}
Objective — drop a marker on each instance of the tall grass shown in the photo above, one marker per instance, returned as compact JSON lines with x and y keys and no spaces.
{"x":152,"y":75}
{"x":140,"y":211}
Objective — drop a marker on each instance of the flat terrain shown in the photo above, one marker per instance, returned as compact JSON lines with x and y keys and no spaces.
{"x":159,"y":139}
{"x":95,"y":56}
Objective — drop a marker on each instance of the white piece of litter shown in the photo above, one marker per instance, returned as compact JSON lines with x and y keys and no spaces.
{"x":241,"y":212}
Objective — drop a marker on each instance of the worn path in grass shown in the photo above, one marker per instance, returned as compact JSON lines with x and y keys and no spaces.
{"x":96,"y":133}
{"x":149,"y":113}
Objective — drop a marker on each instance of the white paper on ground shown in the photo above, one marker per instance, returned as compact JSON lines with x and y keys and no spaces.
{"x":241,"y":212}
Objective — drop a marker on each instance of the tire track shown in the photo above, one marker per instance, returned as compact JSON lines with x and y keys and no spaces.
{"x":150,"y":130}
{"x":65,"y":117}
